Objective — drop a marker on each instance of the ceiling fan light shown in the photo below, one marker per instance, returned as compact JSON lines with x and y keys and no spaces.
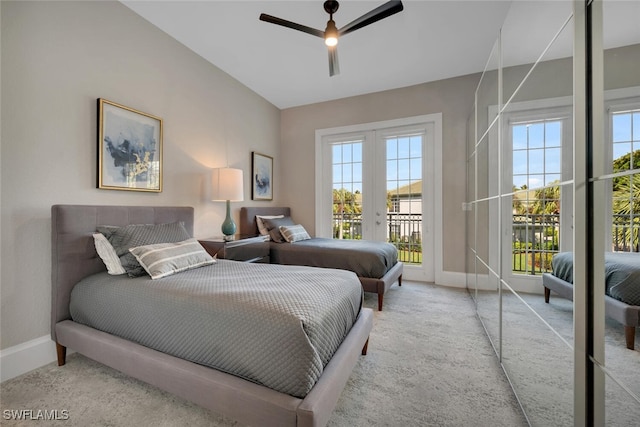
{"x":331,"y":34}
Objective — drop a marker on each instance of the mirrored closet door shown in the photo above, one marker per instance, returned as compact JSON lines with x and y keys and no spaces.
{"x":521,"y":196}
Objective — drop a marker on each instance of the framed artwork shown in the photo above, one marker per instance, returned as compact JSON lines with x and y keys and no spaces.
{"x":129,"y":149}
{"x":262,"y":177}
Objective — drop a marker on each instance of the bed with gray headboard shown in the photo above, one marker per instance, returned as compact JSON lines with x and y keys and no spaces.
{"x":329,"y":253}
{"x":74,"y":258}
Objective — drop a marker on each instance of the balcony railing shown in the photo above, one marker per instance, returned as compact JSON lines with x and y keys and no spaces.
{"x":536,"y":240}
{"x":535,"y":237}
{"x":625,"y":233}
{"x":403,"y":230}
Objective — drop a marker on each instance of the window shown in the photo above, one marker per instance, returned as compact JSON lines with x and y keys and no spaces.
{"x":534,"y":198}
{"x":625,"y":187}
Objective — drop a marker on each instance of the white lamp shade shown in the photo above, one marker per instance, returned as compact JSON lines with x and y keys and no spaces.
{"x":227,"y":185}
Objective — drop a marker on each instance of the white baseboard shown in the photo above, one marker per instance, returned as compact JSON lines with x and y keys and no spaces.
{"x":25,"y":357}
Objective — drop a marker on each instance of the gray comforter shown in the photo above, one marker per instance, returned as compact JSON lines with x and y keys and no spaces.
{"x":621,"y":270}
{"x":363,"y":257}
{"x":273,"y":325}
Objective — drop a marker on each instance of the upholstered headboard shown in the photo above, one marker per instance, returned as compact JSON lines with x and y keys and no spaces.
{"x":248,"y":225}
{"x":73,"y":254}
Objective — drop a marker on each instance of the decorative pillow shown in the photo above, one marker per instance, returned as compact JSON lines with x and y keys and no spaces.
{"x":294,"y":233}
{"x":131,"y":236}
{"x":164,"y":259}
{"x":262,"y":229}
{"x":273,"y":227}
{"x":108,"y":255}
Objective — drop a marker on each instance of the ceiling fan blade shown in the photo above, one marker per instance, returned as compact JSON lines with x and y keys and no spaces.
{"x":334,"y":66}
{"x":380,"y":12}
{"x":293,"y":25}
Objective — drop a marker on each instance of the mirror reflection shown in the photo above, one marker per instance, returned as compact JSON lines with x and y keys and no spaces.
{"x":487,"y":94}
{"x":546,"y":39}
{"x":621,"y":41}
{"x":520,"y":233}
{"x":519,"y":177}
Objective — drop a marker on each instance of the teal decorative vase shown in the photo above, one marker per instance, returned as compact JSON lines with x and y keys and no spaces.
{"x":228,"y":226}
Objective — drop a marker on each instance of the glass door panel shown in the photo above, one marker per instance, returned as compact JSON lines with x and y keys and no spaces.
{"x":404,"y":195}
{"x":347,"y":189}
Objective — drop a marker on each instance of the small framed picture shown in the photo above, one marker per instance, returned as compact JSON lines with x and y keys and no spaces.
{"x":129,"y":149}
{"x":262,"y":177}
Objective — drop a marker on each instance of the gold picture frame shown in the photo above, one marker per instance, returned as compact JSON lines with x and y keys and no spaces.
{"x":261,"y":177}
{"x":129,"y":149}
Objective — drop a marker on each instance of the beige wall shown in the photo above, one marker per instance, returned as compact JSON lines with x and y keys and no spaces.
{"x":57,"y":59}
{"x":452,"y":97}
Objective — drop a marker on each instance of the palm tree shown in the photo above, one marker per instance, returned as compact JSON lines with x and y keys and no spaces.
{"x":547,"y":201}
{"x":345,"y":203}
{"x":626,"y":205}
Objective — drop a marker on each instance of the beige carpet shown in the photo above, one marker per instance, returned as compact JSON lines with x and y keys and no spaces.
{"x":429,"y":364}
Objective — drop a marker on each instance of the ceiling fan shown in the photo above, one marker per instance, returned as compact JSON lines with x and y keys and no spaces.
{"x":332,"y":33}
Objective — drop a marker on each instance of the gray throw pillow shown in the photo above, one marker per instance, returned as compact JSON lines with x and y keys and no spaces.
{"x":273,"y":227}
{"x":124,"y":238}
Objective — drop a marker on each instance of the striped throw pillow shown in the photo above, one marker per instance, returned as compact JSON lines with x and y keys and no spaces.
{"x":294,"y":233}
{"x":164,"y":259}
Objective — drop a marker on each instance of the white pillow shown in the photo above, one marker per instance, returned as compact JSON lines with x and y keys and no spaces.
{"x":263,"y":228}
{"x":294,"y":233}
{"x":164,"y":259}
{"x":108,"y":255}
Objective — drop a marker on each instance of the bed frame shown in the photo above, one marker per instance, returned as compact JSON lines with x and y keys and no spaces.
{"x":249,"y":228}
{"x":628,"y":315}
{"x":74,"y":257}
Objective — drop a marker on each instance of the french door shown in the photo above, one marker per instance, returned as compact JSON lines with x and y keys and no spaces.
{"x":376,"y":182}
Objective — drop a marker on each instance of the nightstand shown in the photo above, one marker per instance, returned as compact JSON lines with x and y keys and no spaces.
{"x":250,"y":249}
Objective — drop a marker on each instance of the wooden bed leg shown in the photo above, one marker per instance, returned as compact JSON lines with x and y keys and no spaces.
{"x":547,"y":294}
{"x":630,"y":336}
{"x":62,"y":354}
{"x":380,"y":298}
{"x":400,"y":280}
{"x":364,"y":349}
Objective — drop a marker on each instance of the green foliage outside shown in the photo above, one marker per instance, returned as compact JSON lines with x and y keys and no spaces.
{"x":347,"y":202}
{"x":626,"y":202}
{"x":543,"y":201}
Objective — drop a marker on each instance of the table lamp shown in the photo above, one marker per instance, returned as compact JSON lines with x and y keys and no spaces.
{"x":227,"y":186}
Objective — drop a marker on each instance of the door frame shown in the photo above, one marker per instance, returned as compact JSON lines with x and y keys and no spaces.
{"x":431,"y":269}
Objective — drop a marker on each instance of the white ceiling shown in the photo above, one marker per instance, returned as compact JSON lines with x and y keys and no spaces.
{"x":430,"y":40}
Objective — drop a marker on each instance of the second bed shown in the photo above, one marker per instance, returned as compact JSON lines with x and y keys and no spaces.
{"x":375,"y":263}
